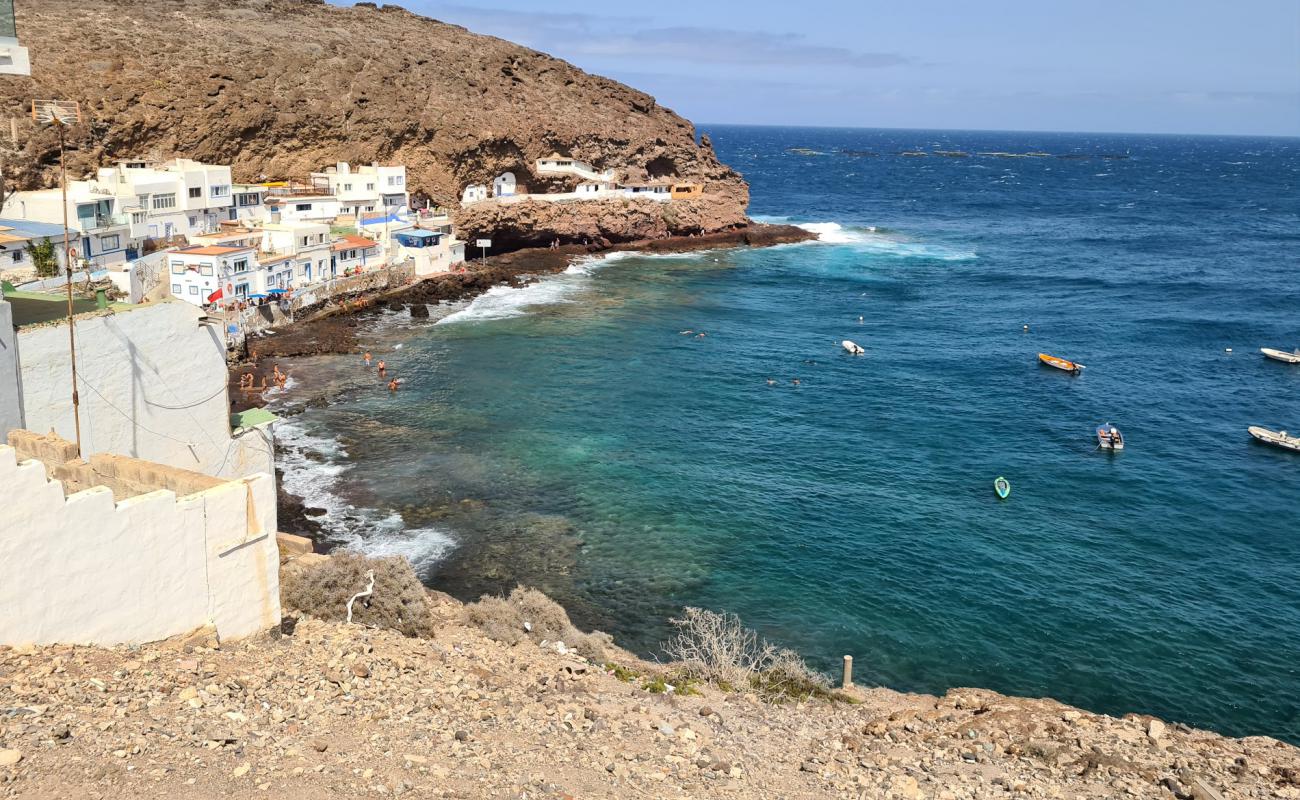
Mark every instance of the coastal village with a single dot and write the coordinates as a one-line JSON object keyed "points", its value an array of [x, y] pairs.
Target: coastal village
{"points": [[163, 637]]}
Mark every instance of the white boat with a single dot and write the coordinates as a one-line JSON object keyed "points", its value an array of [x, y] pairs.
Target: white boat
{"points": [[1281, 355], [1275, 438], [1109, 437], [852, 348]]}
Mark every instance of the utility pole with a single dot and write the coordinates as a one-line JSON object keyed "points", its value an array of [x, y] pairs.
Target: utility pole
{"points": [[61, 113]]}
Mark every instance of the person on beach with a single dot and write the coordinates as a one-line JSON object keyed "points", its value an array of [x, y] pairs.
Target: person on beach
{"points": [[367, 358]]}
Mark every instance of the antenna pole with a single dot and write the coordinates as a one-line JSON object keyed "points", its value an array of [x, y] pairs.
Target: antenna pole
{"points": [[67, 255]]}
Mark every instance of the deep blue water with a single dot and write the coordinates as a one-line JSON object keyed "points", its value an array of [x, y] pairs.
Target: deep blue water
{"points": [[568, 436]]}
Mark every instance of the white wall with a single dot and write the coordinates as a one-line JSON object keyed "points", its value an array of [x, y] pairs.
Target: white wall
{"points": [[152, 386], [10, 397], [84, 570]]}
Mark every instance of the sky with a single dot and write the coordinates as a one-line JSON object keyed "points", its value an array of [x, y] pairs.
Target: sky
{"points": [[1143, 66]]}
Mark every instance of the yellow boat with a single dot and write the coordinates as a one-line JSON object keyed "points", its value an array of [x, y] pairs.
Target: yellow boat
{"points": [[1061, 363]]}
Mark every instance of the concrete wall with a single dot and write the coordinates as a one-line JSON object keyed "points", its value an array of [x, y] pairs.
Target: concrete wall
{"points": [[84, 569], [152, 382], [11, 415]]}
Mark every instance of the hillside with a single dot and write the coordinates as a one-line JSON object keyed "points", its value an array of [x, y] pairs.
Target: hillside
{"points": [[335, 710], [278, 88]]}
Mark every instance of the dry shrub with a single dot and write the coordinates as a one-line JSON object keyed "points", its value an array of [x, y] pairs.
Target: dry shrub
{"points": [[398, 601], [718, 649], [529, 614]]}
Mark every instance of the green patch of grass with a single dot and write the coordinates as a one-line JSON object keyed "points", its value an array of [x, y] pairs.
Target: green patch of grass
{"points": [[778, 685], [622, 673]]}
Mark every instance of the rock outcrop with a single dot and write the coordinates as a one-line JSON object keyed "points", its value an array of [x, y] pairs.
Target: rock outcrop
{"points": [[279, 88]]}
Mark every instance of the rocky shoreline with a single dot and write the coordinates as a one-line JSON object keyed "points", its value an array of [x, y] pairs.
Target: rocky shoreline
{"points": [[332, 327]]}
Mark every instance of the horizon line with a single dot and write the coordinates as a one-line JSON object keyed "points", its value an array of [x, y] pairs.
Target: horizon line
{"points": [[995, 130]]}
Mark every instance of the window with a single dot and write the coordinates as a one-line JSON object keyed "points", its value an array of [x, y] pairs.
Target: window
{"points": [[396, 180], [246, 200], [240, 265], [196, 191], [137, 217], [178, 267], [205, 270], [194, 221], [164, 201], [370, 187], [347, 187], [194, 290], [107, 243], [220, 191], [304, 241], [176, 288], [302, 207]]}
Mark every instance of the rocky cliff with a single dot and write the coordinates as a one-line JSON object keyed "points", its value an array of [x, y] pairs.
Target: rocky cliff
{"points": [[278, 88]]}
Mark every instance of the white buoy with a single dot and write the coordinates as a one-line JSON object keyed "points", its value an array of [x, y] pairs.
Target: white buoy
{"points": [[1227, 349], [1026, 328]]}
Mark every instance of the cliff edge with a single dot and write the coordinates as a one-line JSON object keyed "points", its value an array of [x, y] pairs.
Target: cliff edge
{"points": [[279, 88]]}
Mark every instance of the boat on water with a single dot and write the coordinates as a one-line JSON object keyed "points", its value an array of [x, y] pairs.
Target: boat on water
{"points": [[1276, 438], [1281, 355], [852, 348], [1002, 486], [1109, 437], [1061, 363]]}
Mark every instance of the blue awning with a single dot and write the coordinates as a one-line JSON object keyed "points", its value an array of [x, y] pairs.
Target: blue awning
{"points": [[275, 291], [258, 296]]}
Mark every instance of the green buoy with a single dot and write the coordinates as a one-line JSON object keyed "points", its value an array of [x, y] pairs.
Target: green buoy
{"points": [[1002, 486]]}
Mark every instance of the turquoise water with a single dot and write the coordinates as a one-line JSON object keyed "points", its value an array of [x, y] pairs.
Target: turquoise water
{"points": [[569, 436]]}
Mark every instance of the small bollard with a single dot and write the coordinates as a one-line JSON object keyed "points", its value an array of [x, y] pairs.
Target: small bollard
{"points": [[848, 673]]}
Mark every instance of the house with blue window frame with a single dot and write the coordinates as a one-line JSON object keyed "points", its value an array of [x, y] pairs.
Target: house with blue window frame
{"points": [[15, 236]]}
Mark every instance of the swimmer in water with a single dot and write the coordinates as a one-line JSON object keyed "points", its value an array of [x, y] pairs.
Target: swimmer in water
{"points": [[700, 335], [686, 333], [392, 385], [382, 367], [795, 381], [367, 358], [771, 382]]}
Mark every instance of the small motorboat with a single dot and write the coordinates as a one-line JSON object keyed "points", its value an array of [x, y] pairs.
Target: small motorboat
{"points": [[1276, 438], [1061, 363], [1109, 437], [852, 348], [1002, 486], [1281, 355]]}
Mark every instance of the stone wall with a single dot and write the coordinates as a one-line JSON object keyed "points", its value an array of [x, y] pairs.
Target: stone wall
{"points": [[86, 567]]}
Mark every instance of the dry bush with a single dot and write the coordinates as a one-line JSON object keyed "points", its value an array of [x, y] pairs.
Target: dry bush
{"points": [[398, 601], [717, 648], [529, 614]]}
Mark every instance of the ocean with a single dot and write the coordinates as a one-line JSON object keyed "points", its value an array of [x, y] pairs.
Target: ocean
{"points": [[580, 436]]}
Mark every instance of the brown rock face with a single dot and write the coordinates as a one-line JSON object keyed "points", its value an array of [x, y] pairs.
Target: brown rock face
{"points": [[278, 88]]}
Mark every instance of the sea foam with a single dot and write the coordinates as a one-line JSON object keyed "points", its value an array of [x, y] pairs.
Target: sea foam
{"points": [[872, 240], [313, 467]]}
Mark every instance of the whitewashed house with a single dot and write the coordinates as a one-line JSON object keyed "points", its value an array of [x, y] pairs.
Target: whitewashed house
{"points": [[504, 185], [556, 164], [302, 205], [249, 203], [647, 191], [213, 274], [594, 190], [299, 253], [364, 188], [353, 254], [474, 193], [113, 214], [16, 235]]}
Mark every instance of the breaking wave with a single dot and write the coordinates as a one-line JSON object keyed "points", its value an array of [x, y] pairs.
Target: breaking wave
{"points": [[313, 467], [874, 240]]}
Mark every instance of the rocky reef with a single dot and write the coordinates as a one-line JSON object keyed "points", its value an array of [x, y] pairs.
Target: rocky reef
{"points": [[279, 88]]}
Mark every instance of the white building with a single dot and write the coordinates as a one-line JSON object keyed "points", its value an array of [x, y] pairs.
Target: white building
{"points": [[299, 253], [433, 251], [648, 191], [594, 190], [197, 274], [151, 379], [504, 185], [13, 56], [556, 164], [16, 235], [353, 254], [367, 187], [249, 203], [474, 193], [113, 214], [297, 205]]}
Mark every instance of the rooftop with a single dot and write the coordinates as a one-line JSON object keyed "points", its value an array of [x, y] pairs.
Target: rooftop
{"points": [[349, 242], [33, 308], [29, 229], [212, 250]]}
